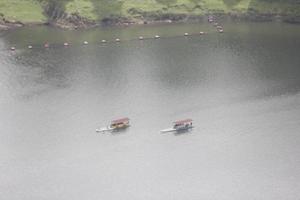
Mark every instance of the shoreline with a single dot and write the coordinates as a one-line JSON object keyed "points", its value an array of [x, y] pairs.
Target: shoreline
{"points": [[74, 21]]}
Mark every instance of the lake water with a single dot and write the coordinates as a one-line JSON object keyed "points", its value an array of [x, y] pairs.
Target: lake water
{"points": [[241, 88]]}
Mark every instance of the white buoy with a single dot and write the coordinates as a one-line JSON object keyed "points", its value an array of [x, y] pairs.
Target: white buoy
{"points": [[46, 45], [66, 44], [186, 34], [103, 41], [117, 40], [85, 42], [29, 47], [157, 36], [141, 38], [201, 33], [221, 30], [12, 48]]}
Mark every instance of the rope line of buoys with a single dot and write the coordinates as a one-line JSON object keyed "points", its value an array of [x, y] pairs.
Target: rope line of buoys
{"points": [[211, 20], [219, 28], [48, 45]]}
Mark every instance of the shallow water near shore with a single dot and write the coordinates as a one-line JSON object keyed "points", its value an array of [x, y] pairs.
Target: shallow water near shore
{"points": [[241, 88]]}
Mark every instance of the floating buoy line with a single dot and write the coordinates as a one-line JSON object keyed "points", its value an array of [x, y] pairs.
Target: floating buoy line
{"points": [[46, 45]]}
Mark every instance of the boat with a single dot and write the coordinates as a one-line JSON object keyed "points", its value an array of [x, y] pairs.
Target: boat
{"points": [[180, 125], [117, 124]]}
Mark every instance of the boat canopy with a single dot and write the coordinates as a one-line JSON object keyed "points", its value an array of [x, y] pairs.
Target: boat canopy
{"points": [[185, 121], [119, 121]]}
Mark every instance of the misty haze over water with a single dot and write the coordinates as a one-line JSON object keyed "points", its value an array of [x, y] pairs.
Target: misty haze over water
{"points": [[241, 88]]}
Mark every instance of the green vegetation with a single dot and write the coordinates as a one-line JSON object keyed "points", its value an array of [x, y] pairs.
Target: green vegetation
{"points": [[22, 10], [83, 8], [97, 10]]}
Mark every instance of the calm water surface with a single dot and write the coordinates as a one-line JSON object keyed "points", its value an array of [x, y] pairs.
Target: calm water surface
{"points": [[241, 88]]}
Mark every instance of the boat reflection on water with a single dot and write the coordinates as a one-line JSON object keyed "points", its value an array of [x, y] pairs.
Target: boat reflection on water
{"points": [[182, 132]]}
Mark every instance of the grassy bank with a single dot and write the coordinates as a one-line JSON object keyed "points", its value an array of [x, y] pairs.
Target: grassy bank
{"points": [[25, 11], [96, 10]]}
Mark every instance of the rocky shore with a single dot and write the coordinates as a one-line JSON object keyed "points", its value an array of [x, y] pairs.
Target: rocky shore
{"points": [[6, 24], [75, 21]]}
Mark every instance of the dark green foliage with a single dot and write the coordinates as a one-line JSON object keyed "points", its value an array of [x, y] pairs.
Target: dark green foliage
{"points": [[54, 9], [282, 1]]}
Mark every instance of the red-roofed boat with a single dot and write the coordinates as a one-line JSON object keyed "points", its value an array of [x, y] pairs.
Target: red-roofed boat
{"points": [[117, 124], [120, 123], [180, 125]]}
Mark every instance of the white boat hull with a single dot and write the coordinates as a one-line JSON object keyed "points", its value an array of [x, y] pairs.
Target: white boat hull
{"points": [[168, 130], [109, 129], [175, 130], [104, 129]]}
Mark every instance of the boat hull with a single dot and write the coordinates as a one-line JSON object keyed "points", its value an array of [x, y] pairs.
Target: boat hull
{"points": [[111, 129], [176, 130], [104, 129]]}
